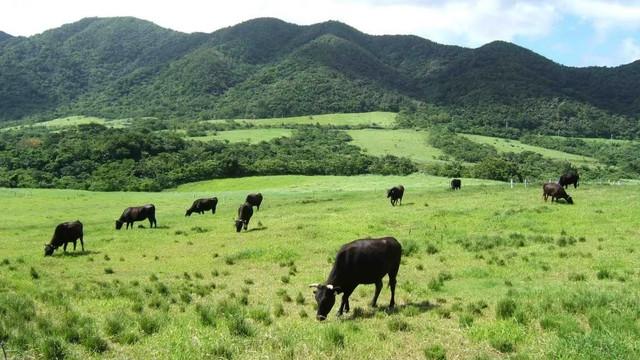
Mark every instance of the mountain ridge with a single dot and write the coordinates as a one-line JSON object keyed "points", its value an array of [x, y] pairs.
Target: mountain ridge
{"points": [[124, 67]]}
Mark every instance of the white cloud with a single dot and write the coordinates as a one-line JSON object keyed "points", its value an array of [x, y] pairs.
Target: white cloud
{"points": [[461, 21], [630, 50]]}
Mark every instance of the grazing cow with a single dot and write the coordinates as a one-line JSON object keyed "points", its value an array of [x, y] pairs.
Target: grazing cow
{"points": [[456, 184], [569, 178], [245, 212], [254, 199], [395, 193], [555, 191], [138, 213], [65, 233], [364, 261], [201, 205]]}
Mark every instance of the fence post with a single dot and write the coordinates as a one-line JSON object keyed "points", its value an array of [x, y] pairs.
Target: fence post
{"points": [[512, 183]]}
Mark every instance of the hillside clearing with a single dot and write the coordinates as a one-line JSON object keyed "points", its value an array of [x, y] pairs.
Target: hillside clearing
{"points": [[509, 145], [412, 144], [379, 119]]}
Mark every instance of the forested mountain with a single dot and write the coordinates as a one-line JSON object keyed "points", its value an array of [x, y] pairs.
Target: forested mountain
{"points": [[126, 67]]}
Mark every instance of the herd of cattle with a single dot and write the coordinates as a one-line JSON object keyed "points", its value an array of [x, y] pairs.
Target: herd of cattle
{"points": [[363, 261]]}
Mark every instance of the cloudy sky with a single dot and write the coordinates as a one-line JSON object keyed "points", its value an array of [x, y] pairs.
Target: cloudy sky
{"points": [[571, 32]]}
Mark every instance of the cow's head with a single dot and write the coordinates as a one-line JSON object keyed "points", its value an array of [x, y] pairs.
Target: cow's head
{"points": [[188, 213], [119, 224], [389, 192], [239, 224], [48, 249], [325, 297], [213, 206], [569, 200]]}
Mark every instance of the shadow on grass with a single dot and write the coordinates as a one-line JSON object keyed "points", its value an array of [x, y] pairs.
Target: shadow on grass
{"points": [[370, 312], [77, 253], [257, 229]]}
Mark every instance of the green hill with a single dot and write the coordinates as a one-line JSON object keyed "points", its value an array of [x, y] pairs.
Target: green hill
{"points": [[126, 67]]}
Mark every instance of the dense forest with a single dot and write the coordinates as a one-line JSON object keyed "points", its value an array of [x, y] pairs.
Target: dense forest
{"points": [[126, 67], [94, 157]]}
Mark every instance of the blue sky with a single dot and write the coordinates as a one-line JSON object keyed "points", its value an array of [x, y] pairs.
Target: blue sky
{"points": [[570, 32]]}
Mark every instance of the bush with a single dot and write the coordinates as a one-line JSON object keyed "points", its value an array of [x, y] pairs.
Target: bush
{"points": [[505, 308], [435, 352], [53, 348]]}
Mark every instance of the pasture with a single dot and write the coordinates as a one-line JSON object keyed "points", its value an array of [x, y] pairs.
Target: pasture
{"points": [[373, 119], [488, 272], [509, 145], [252, 136], [75, 121], [412, 144]]}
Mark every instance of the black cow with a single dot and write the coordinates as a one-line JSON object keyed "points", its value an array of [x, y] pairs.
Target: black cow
{"points": [[201, 205], [364, 261], [569, 178], [138, 213], [555, 191], [395, 193], [254, 199], [65, 233], [456, 184], [245, 212]]}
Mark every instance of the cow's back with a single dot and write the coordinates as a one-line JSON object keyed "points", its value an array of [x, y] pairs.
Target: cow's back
{"points": [[366, 261]]}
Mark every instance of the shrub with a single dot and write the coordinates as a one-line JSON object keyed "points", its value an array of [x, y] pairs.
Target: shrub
{"points": [[108, 270], [149, 324], [53, 348], [410, 247], [238, 326], [334, 337], [34, 274], [432, 249], [505, 308], [435, 352], [207, 314], [398, 324]]}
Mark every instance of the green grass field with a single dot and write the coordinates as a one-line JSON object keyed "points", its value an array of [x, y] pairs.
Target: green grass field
{"points": [[508, 145], [246, 135], [381, 119], [408, 143], [77, 120], [488, 272]]}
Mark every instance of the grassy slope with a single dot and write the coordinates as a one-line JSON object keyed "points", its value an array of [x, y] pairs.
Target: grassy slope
{"points": [[383, 119], [409, 143], [78, 120], [508, 145], [305, 220], [247, 135]]}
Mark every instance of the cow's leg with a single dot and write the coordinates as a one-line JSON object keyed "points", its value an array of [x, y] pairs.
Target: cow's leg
{"points": [[400, 201], [74, 245], [392, 285], [246, 225], [375, 296], [64, 247], [344, 305], [82, 243]]}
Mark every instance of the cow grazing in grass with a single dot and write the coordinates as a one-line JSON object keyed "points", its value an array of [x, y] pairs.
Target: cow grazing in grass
{"points": [[254, 199], [456, 184], [569, 178], [555, 191], [65, 233], [364, 261], [201, 205], [396, 193], [137, 213], [245, 212]]}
